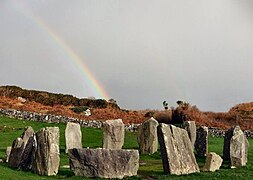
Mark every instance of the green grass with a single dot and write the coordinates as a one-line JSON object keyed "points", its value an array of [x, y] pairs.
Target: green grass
{"points": [[150, 165]]}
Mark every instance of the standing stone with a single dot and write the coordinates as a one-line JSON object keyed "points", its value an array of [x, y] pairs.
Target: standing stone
{"points": [[190, 127], [104, 163], [213, 162], [201, 143], [73, 136], [113, 134], [8, 152], [47, 157], [19, 147], [28, 155], [176, 149], [236, 145], [147, 136], [226, 144]]}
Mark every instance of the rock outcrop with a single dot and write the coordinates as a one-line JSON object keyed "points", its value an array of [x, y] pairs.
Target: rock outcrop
{"points": [[147, 136], [176, 149], [104, 163]]}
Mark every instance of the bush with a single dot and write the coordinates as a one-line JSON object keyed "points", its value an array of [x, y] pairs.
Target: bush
{"points": [[79, 109]]}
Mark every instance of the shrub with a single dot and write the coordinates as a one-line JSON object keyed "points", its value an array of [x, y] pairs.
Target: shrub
{"points": [[79, 109]]}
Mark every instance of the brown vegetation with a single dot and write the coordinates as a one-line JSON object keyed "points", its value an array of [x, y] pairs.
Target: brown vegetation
{"points": [[241, 114]]}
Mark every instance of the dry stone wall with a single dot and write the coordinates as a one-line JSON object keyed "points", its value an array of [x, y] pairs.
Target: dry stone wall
{"points": [[31, 116]]}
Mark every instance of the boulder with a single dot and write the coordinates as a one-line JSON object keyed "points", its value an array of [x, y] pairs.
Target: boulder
{"points": [[176, 149], [236, 145], [19, 150], [213, 162], [47, 154], [73, 136], [147, 136], [190, 127], [113, 134], [201, 143], [104, 163]]}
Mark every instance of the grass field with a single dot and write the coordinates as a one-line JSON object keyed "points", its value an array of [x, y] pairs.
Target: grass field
{"points": [[150, 165]]}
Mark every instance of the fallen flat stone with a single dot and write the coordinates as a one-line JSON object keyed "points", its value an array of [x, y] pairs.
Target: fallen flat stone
{"points": [[147, 136], [190, 127], [104, 163], [176, 149], [113, 134], [47, 155], [201, 143], [236, 147], [73, 136], [213, 162]]}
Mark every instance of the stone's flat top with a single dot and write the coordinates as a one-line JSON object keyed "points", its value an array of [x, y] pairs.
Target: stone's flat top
{"points": [[114, 121]]}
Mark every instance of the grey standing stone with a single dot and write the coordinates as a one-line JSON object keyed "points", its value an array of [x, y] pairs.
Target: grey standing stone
{"points": [[73, 136], [47, 155], [19, 150], [213, 162], [190, 127], [28, 155], [16, 152], [8, 152], [201, 143], [104, 163], [236, 146], [176, 149], [147, 136], [113, 134], [226, 145]]}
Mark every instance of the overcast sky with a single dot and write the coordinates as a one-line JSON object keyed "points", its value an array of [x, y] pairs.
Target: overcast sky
{"points": [[142, 51]]}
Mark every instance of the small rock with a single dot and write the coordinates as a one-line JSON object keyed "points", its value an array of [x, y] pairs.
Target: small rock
{"points": [[213, 162]]}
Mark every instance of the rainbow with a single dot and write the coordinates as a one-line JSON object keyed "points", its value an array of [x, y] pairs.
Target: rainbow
{"points": [[95, 86]]}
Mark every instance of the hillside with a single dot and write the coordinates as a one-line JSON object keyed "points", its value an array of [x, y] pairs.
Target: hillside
{"points": [[12, 97]]}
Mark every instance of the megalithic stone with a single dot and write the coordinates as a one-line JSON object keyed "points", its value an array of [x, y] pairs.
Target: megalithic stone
{"points": [[21, 150], [47, 155], [147, 136], [113, 134], [190, 127], [201, 143], [236, 147], [73, 136], [176, 149], [104, 163]]}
